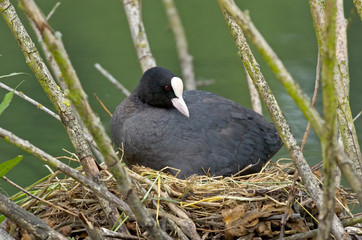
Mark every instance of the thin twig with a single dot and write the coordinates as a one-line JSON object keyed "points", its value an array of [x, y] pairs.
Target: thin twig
{"points": [[254, 95], [71, 172], [45, 109], [39, 199], [112, 79], [314, 99], [173, 223], [103, 106], [53, 11], [29, 204], [313, 233], [291, 196], [185, 223], [357, 116], [114, 235], [32, 101], [93, 233], [206, 82]]}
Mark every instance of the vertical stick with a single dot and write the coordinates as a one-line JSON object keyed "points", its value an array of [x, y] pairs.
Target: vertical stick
{"points": [[181, 44], [138, 33], [254, 95], [344, 113], [329, 139], [312, 115]]}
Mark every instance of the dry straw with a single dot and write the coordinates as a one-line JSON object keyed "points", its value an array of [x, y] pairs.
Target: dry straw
{"points": [[220, 207]]}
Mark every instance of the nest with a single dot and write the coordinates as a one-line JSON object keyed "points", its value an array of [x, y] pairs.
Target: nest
{"points": [[245, 207]]}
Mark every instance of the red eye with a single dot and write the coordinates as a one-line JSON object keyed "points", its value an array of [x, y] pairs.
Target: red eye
{"points": [[167, 88]]}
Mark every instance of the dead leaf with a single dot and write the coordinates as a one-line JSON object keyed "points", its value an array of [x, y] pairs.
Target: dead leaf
{"points": [[66, 230]]}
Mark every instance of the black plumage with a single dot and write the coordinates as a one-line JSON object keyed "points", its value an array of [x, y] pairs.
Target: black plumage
{"points": [[220, 136]]}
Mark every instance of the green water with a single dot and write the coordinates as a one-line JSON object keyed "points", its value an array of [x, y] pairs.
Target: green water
{"points": [[97, 32]]}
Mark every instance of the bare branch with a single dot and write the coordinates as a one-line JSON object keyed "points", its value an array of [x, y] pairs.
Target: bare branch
{"points": [[357, 116], [314, 99], [52, 11], [79, 98], [291, 195], [4, 234], [313, 233], [181, 44], [138, 33], [276, 65], [112, 79], [63, 105], [45, 109], [28, 221], [254, 95], [78, 176], [349, 172], [205, 82], [76, 93], [32, 101], [344, 113], [37, 65], [269, 100], [93, 232], [60, 80], [329, 139], [252, 67], [342, 81]]}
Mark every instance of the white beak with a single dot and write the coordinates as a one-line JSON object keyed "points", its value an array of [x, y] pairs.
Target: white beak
{"points": [[180, 105], [178, 102]]}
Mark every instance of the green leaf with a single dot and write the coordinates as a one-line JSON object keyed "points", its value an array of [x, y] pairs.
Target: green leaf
{"points": [[2, 218], [6, 101], [14, 74], [5, 167]]}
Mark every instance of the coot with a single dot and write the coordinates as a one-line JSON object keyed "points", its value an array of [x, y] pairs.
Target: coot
{"points": [[197, 132]]}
